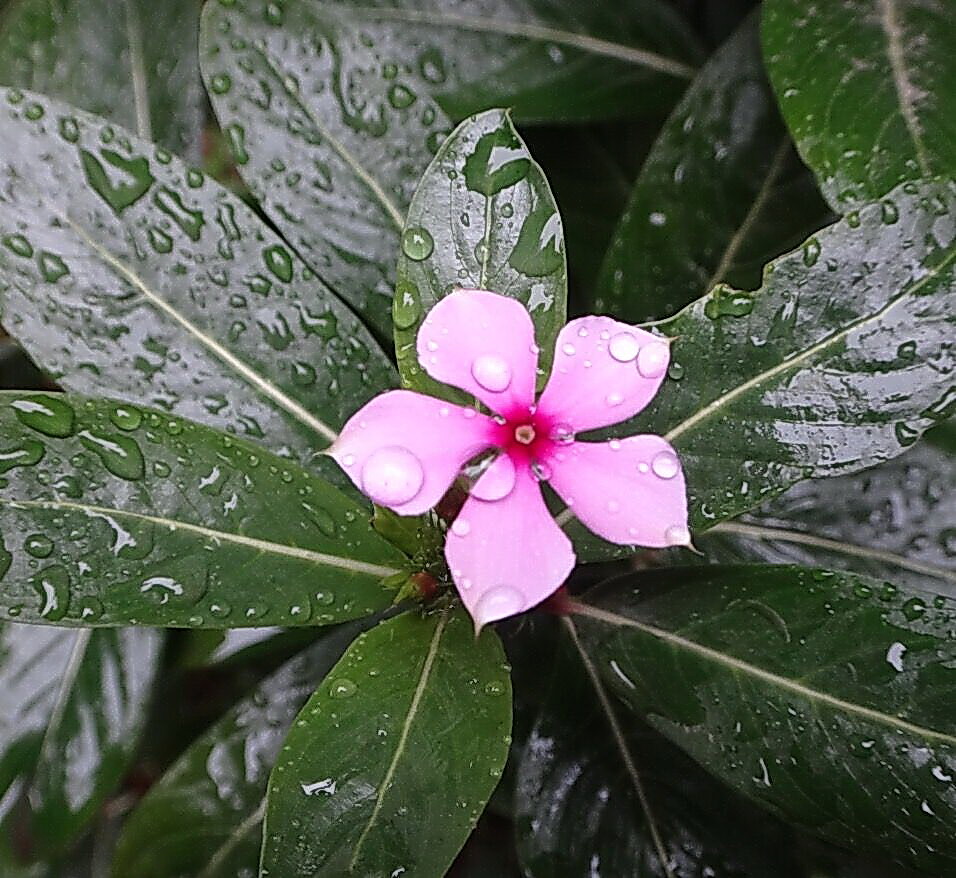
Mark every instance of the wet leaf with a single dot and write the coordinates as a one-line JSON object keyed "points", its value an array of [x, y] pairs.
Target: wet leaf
{"points": [[868, 89], [825, 697], [72, 707], [841, 360], [123, 272], [719, 196], [133, 62], [114, 515], [578, 808], [896, 521], [395, 756], [483, 217], [204, 816]]}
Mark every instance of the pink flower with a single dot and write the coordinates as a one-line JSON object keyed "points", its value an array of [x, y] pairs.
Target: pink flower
{"points": [[505, 551]]}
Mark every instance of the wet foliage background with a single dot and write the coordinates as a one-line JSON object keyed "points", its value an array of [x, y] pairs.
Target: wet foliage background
{"points": [[220, 228]]}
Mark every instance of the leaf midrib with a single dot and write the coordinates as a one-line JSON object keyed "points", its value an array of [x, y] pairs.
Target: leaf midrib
{"points": [[413, 708], [571, 39], [796, 359], [265, 546], [734, 664]]}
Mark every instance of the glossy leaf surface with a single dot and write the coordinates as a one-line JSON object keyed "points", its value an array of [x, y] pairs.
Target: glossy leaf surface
{"points": [[578, 810], [204, 816], [394, 758], [72, 707], [483, 218], [838, 362], [123, 272], [719, 196], [331, 137], [868, 88], [826, 697], [133, 62], [896, 521], [112, 515]]}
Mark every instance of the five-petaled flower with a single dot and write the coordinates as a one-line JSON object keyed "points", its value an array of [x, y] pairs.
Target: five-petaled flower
{"points": [[505, 551]]}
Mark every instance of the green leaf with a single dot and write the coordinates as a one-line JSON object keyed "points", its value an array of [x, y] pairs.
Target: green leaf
{"points": [[133, 62], [868, 89], [203, 819], [72, 707], [393, 759], [112, 515], [123, 272], [332, 151], [838, 362], [896, 521], [826, 697], [720, 194], [483, 217], [593, 791]]}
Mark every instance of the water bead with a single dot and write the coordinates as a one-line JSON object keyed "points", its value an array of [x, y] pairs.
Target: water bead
{"points": [[677, 535], [392, 476], [498, 602], [665, 465], [497, 482], [461, 528], [491, 372], [624, 347], [652, 359]]}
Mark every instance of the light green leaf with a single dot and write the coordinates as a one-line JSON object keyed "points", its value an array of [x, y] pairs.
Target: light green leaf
{"points": [[203, 819], [483, 217], [113, 515], [868, 89], [394, 758], [72, 707], [826, 697], [124, 272], [132, 61], [720, 194]]}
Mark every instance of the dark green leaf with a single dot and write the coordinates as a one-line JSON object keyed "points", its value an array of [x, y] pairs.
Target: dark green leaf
{"points": [[826, 697], [72, 707], [582, 775], [868, 88], [112, 515], [720, 194], [124, 272], [204, 817], [838, 362], [394, 758], [133, 62], [896, 521], [483, 217], [330, 146]]}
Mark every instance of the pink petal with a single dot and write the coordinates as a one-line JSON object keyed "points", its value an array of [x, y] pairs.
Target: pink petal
{"points": [[507, 555], [604, 372], [629, 491], [404, 449], [482, 343]]}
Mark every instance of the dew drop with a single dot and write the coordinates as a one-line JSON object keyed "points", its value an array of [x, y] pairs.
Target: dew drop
{"points": [[568, 349], [496, 482], [665, 465], [614, 399], [652, 359], [491, 372], [126, 417], [562, 434], [343, 688], [461, 528], [52, 584], [119, 454], [624, 347], [46, 414], [417, 243], [392, 475], [541, 471], [677, 535], [38, 545], [497, 603]]}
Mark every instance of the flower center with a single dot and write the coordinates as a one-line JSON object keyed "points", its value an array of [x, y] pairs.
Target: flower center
{"points": [[524, 434]]}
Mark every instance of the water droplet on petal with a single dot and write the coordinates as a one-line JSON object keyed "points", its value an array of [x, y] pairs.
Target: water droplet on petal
{"points": [[613, 399], [392, 476], [491, 372], [496, 482], [541, 471], [677, 535], [568, 349], [665, 465], [624, 347], [652, 359], [497, 603], [461, 528], [562, 433]]}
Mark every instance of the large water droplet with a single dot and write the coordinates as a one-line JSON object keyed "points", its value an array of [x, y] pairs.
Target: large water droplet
{"points": [[417, 243], [665, 465], [497, 603], [126, 417], [52, 584], [652, 359], [624, 347], [677, 535], [496, 482], [46, 414], [562, 433], [343, 688], [28, 453], [120, 454], [541, 471], [461, 528], [491, 372], [38, 545], [392, 475]]}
